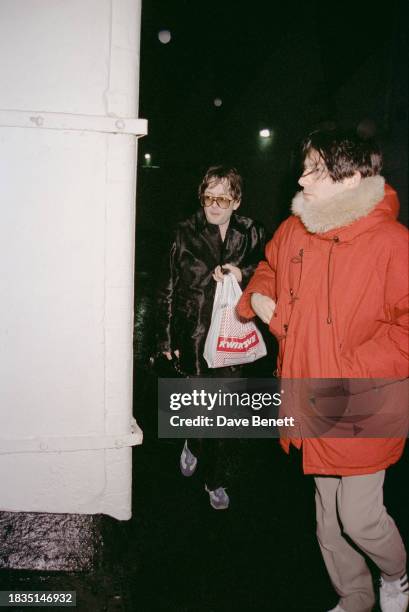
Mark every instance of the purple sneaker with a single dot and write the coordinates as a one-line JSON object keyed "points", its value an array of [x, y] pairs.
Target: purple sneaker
{"points": [[188, 461], [219, 500]]}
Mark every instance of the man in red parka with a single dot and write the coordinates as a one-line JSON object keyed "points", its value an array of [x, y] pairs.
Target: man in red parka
{"points": [[334, 292]]}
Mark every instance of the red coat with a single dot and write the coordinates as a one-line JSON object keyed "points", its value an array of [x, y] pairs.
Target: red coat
{"points": [[342, 310]]}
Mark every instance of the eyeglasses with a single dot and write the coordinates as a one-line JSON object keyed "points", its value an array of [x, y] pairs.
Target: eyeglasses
{"points": [[221, 201]]}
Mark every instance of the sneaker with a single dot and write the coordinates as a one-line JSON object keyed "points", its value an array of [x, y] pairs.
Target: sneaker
{"points": [[337, 609], [219, 500], [394, 595], [188, 461]]}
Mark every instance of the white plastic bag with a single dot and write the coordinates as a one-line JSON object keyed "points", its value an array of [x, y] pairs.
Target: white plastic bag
{"points": [[230, 339]]}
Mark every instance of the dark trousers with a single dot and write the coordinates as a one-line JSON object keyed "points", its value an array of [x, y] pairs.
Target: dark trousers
{"points": [[212, 454]]}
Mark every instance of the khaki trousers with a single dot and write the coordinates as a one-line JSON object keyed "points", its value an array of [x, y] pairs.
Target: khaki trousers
{"points": [[351, 515]]}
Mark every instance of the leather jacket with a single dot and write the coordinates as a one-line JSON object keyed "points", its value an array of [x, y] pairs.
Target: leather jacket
{"points": [[187, 288]]}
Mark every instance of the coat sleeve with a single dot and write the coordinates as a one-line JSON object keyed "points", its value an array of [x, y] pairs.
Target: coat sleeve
{"points": [[255, 253], [263, 281], [386, 353], [165, 299]]}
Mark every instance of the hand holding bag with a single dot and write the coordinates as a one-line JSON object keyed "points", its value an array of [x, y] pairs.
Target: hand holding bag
{"points": [[231, 340]]}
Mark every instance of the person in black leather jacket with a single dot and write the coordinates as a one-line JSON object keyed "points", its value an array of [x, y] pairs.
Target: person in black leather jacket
{"points": [[212, 241]]}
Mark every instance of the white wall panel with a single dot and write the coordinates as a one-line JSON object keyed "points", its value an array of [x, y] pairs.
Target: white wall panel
{"points": [[67, 200], [54, 55]]}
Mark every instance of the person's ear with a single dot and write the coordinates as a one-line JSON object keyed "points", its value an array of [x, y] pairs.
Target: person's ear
{"points": [[236, 204]]}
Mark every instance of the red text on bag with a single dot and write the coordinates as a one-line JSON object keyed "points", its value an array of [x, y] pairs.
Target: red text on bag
{"points": [[237, 345]]}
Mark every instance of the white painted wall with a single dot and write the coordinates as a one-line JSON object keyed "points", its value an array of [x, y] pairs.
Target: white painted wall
{"points": [[69, 75]]}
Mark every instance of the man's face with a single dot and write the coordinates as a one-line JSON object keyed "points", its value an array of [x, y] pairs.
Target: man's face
{"points": [[214, 213], [316, 182]]}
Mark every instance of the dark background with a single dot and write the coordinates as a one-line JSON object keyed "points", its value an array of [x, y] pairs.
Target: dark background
{"points": [[288, 66]]}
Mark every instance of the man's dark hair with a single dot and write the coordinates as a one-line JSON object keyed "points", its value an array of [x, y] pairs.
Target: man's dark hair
{"points": [[343, 153], [218, 173]]}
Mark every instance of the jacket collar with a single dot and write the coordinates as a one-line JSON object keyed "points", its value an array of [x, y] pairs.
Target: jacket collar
{"points": [[341, 210]]}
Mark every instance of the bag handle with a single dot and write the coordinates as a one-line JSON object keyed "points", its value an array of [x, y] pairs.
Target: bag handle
{"points": [[231, 289]]}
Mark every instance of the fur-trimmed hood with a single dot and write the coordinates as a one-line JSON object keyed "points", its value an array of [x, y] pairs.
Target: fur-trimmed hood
{"points": [[342, 209]]}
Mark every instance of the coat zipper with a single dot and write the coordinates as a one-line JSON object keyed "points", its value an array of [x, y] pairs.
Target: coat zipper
{"points": [[335, 241]]}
